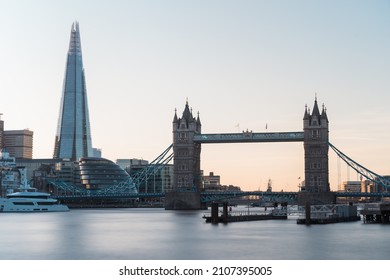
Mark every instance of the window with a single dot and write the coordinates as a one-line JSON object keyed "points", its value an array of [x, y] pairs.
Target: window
{"points": [[183, 136], [315, 151], [319, 181], [45, 203], [183, 181], [315, 180], [22, 203], [315, 165], [183, 152]]}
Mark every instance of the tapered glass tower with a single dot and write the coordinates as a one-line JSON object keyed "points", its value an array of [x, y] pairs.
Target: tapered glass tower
{"points": [[73, 138]]}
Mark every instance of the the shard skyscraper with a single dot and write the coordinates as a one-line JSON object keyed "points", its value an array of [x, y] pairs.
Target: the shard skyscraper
{"points": [[73, 138]]}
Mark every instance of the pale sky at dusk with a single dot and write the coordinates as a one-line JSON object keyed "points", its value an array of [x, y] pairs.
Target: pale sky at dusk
{"points": [[241, 64]]}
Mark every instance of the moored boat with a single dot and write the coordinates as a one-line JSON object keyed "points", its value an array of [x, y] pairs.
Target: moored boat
{"points": [[30, 200]]}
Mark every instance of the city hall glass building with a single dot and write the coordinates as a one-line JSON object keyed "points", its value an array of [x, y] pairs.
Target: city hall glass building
{"points": [[73, 138]]}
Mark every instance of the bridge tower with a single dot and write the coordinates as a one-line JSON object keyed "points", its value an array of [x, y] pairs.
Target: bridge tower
{"points": [[316, 139], [187, 179]]}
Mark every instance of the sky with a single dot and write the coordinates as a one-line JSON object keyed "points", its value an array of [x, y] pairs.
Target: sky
{"points": [[241, 64]]}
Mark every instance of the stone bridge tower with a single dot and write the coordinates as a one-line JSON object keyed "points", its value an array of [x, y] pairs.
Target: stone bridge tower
{"points": [[187, 177], [316, 139]]}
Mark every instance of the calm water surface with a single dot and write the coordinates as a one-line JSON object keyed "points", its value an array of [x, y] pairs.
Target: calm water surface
{"points": [[147, 234]]}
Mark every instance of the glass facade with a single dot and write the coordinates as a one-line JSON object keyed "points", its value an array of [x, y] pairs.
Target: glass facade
{"points": [[73, 138], [160, 181], [100, 173]]}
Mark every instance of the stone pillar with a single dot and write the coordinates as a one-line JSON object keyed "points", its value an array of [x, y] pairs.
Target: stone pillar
{"points": [[316, 139], [187, 178], [177, 200]]}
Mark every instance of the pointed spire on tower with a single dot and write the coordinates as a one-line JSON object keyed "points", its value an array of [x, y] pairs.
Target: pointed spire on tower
{"points": [[324, 116], [306, 114], [187, 115], [198, 120], [175, 120], [316, 111]]}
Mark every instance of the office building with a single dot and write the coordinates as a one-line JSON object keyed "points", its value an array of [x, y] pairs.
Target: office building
{"points": [[161, 180], [97, 153], [19, 143], [73, 138], [101, 173], [351, 186], [212, 180]]}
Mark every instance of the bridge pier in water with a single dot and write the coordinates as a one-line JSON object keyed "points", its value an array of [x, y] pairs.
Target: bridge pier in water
{"points": [[316, 198], [229, 216], [177, 200]]}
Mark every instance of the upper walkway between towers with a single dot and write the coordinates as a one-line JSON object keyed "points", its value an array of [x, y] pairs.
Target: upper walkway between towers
{"points": [[249, 136]]}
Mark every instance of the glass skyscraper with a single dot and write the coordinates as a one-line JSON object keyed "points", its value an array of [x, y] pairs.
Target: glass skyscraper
{"points": [[73, 138]]}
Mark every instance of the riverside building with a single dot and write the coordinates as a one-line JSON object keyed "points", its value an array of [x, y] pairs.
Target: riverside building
{"points": [[73, 138], [19, 143]]}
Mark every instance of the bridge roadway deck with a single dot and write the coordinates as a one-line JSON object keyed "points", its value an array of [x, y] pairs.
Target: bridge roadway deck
{"points": [[249, 136], [220, 195]]}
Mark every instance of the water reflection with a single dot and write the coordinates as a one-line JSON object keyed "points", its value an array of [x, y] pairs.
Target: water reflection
{"points": [[158, 234]]}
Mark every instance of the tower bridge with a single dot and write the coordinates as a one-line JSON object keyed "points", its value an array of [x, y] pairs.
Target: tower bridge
{"points": [[188, 138]]}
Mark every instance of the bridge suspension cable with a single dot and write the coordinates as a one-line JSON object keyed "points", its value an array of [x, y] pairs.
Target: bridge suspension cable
{"points": [[158, 163], [131, 185], [370, 175]]}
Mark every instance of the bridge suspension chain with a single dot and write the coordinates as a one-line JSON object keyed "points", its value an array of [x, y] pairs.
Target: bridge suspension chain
{"points": [[158, 163], [131, 185], [370, 175]]}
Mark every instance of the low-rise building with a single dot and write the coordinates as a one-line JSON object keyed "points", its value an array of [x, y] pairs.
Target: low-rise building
{"points": [[351, 186], [12, 177]]}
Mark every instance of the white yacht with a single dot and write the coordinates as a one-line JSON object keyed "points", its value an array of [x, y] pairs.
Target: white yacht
{"points": [[29, 200]]}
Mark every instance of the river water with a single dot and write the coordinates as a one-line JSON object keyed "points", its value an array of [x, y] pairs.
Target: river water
{"points": [[149, 234]]}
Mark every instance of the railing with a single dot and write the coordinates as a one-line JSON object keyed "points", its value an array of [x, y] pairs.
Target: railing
{"points": [[216, 196], [112, 195], [362, 194]]}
